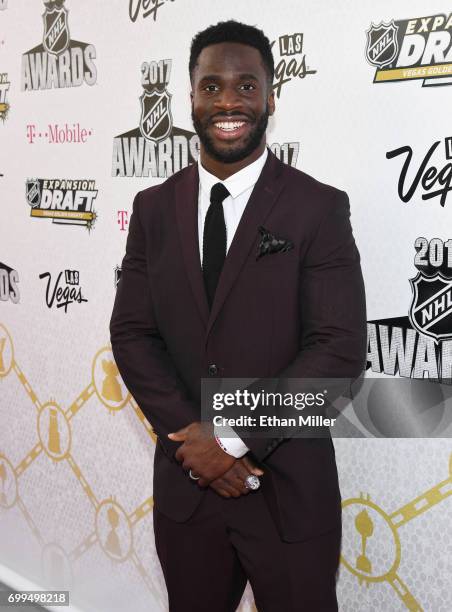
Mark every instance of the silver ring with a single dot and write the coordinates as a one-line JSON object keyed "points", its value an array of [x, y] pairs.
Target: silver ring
{"points": [[192, 476], [252, 482]]}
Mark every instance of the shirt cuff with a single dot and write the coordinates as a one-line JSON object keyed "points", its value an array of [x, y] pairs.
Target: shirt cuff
{"points": [[231, 445]]}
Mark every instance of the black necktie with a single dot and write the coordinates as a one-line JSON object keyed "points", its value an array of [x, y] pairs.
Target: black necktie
{"points": [[214, 240]]}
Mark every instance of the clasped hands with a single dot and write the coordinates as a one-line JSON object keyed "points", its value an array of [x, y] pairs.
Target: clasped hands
{"points": [[201, 453]]}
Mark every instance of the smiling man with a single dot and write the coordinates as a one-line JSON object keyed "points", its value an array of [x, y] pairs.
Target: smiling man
{"points": [[202, 295]]}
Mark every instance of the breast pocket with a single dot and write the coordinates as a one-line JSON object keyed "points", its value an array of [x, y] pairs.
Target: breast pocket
{"points": [[272, 268]]}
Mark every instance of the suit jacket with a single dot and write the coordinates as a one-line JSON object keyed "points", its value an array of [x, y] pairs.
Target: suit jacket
{"points": [[295, 314]]}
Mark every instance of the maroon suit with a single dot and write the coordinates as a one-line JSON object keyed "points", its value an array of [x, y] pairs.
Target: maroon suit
{"points": [[295, 314]]}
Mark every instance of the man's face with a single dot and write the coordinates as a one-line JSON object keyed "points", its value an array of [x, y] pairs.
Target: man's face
{"points": [[231, 100]]}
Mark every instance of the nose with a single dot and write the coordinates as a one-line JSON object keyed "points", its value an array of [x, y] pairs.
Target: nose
{"points": [[228, 99]]}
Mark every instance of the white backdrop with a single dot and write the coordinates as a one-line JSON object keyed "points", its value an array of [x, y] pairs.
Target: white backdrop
{"points": [[75, 453]]}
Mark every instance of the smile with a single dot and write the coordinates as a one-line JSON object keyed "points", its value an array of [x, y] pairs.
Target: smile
{"points": [[230, 130], [229, 126]]}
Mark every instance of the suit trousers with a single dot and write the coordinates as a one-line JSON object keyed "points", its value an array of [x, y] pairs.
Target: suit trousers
{"points": [[208, 559]]}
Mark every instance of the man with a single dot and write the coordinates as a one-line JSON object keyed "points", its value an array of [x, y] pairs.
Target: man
{"points": [[196, 300]]}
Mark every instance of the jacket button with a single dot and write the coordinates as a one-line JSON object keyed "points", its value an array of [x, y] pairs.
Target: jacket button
{"points": [[213, 370]]}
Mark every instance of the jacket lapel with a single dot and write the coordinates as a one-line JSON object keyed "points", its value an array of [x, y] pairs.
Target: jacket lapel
{"points": [[186, 192], [262, 199]]}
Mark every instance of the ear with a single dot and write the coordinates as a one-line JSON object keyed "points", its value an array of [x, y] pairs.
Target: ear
{"points": [[271, 101], [191, 97]]}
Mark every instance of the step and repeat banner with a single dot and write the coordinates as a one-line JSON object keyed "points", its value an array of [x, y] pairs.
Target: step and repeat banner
{"points": [[363, 98]]}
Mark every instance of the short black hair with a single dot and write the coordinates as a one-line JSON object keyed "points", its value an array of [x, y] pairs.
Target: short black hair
{"points": [[233, 31]]}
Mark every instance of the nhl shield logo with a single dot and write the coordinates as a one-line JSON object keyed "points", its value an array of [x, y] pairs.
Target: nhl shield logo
{"points": [[33, 193], [156, 119], [382, 45], [431, 306], [56, 30]]}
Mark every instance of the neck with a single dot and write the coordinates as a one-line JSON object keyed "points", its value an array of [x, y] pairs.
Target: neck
{"points": [[224, 171]]}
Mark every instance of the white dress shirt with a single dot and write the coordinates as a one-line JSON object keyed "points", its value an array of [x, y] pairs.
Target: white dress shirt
{"points": [[240, 185]]}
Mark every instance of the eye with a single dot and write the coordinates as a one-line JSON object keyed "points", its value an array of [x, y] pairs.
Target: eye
{"points": [[211, 88], [248, 86]]}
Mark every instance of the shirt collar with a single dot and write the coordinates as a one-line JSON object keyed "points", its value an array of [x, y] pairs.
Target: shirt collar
{"points": [[238, 182]]}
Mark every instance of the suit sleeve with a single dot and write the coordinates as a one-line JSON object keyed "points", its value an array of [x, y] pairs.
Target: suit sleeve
{"points": [[139, 349], [332, 309]]}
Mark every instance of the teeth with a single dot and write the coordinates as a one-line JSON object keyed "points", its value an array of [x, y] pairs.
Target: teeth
{"points": [[228, 126]]}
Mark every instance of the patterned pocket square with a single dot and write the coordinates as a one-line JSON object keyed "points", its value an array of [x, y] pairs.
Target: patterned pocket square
{"points": [[271, 244]]}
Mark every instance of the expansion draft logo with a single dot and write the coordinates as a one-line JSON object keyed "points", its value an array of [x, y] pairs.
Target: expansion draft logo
{"points": [[292, 63], [65, 201], [58, 61], [4, 88], [420, 345], [156, 147], [9, 291], [417, 48]]}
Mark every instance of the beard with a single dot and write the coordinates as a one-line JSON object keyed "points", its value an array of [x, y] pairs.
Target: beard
{"points": [[232, 153]]}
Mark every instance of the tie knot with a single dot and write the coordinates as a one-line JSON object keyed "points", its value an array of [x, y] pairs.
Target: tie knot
{"points": [[218, 193]]}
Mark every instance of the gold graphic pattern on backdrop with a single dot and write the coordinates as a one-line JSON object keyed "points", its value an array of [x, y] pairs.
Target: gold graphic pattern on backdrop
{"points": [[371, 521], [54, 432]]}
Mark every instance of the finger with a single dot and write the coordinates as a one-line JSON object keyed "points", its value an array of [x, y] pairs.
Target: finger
{"points": [[226, 483], [253, 469], [178, 436], [240, 471], [186, 465], [233, 484], [219, 490], [238, 475], [203, 483], [233, 492]]}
